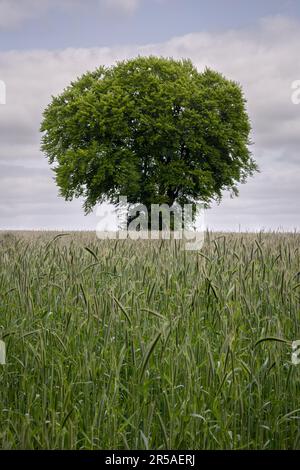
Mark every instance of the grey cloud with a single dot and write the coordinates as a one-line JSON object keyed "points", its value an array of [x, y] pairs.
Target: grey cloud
{"points": [[124, 5], [14, 12]]}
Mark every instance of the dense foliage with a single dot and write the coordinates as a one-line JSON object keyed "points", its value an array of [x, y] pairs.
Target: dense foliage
{"points": [[152, 129]]}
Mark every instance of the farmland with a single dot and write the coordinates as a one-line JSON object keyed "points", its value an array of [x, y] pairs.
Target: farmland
{"points": [[143, 345]]}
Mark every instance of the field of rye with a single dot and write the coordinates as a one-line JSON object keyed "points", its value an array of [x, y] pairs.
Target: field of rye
{"points": [[142, 345]]}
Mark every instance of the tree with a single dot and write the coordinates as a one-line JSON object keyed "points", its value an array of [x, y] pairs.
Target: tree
{"points": [[152, 129]]}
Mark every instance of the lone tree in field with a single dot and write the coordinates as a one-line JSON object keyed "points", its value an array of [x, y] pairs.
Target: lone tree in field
{"points": [[152, 129]]}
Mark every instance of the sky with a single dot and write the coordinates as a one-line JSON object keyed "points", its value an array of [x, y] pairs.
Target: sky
{"points": [[45, 44]]}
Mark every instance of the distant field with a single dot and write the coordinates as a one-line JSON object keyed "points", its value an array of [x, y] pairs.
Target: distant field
{"points": [[134, 345]]}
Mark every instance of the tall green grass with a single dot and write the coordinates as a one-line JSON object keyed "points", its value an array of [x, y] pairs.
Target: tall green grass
{"points": [[142, 345]]}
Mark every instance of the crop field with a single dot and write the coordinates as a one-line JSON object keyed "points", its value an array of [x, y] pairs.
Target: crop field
{"points": [[143, 345]]}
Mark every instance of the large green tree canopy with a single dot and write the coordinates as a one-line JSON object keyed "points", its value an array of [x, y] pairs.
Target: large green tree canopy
{"points": [[153, 129]]}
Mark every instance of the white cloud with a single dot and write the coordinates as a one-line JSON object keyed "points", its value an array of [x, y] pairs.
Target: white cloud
{"points": [[264, 60]]}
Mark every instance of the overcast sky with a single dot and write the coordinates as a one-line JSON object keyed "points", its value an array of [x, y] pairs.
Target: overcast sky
{"points": [[44, 44]]}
